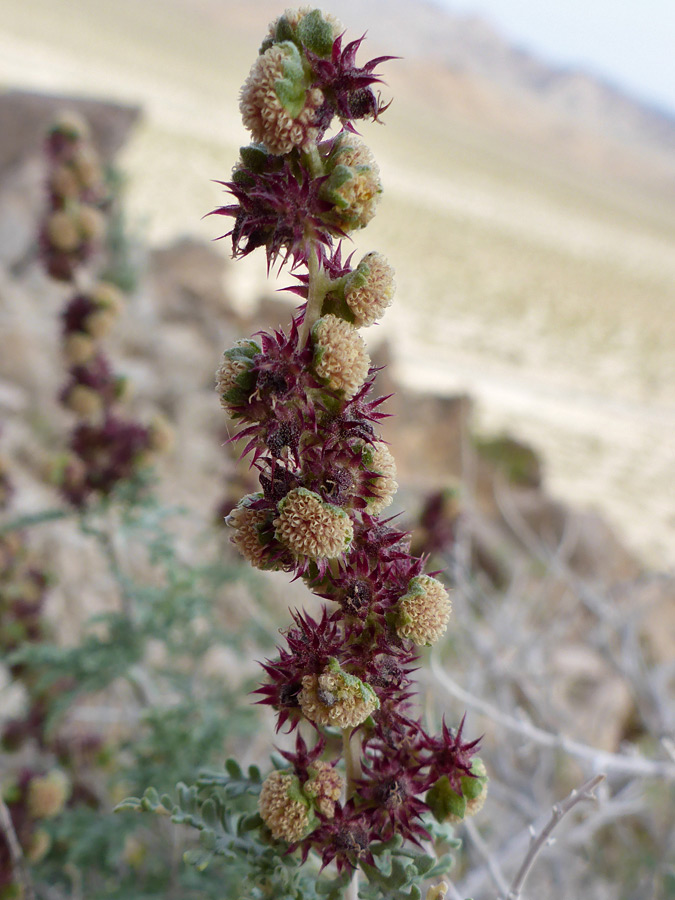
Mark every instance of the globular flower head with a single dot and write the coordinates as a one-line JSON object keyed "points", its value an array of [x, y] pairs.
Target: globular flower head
{"points": [[311, 528], [86, 402], [284, 808], [69, 237], [47, 795], [346, 87], [450, 805], [337, 698], [369, 289], [278, 104], [233, 380], [249, 524], [352, 186], [62, 231], [78, 348], [378, 459], [340, 355], [323, 787], [423, 611]]}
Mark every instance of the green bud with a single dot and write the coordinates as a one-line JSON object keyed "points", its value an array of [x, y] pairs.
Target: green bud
{"points": [[316, 33]]}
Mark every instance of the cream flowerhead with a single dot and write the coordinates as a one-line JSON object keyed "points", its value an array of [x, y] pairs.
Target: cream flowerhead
{"points": [[47, 795], [423, 611], [277, 104], [310, 527], [247, 523], [337, 698], [369, 289], [378, 458], [231, 376], [284, 809], [323, 787], [340, 355], [353, 184]]}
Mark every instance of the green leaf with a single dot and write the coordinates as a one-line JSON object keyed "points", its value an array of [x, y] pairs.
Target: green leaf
{"points": [[233, 768], [208, 813], [444, 801]]}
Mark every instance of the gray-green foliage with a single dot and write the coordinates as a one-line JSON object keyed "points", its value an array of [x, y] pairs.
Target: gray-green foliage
{"points": [[222, 808], [184, 721]]}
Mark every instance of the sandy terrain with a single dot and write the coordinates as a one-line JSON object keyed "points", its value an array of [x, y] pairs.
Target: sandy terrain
{"points": [[548, 295]]}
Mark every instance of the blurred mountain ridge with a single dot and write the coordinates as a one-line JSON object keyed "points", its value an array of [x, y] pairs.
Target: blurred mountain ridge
{"points": [[469, 47]]}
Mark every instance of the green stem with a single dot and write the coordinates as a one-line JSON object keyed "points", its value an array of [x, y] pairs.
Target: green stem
{"points": [[27, 521], [313, 160], [319, 283], [352, 772]]}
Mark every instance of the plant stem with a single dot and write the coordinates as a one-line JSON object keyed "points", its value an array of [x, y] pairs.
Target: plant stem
{"points": [[352, 771], [27, 521], [15, 852], [585, 792], [316, 292]]}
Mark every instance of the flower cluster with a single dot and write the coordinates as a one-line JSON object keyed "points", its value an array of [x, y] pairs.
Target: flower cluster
{"points": [[31, 798], [307, 417], [23, 584], [105, 446], [74, 224]]}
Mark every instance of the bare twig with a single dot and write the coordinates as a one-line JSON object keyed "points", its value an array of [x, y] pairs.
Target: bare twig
{"points": [[493, 866], [599, 759], [585, 792], [15, 852]]}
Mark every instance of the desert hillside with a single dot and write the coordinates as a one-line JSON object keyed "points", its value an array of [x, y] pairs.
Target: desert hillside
{"points": [[530, 215]]}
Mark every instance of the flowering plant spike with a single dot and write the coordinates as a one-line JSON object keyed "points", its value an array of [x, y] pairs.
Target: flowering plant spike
{"points": [[308, 417]]}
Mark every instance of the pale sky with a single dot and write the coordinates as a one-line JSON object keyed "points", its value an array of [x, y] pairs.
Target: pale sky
{"points": [[630, 42]]}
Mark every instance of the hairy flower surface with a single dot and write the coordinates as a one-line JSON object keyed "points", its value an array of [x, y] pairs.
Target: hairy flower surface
{"points": [[283, 808], [340, 355], [324, 787], [278, 106], [424, 611], [353, 185], [310, 527], [231, 375], [337, 698], [292, 18], [378, 458], [369, 289], [247, 523]]}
